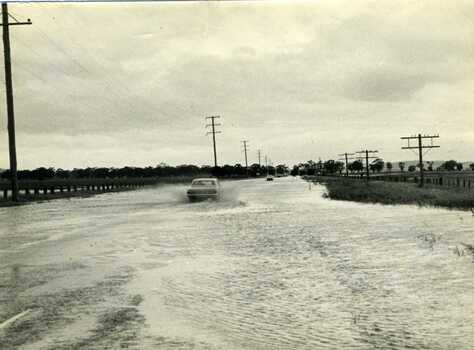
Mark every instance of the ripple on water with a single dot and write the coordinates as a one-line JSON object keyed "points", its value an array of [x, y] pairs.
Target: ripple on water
{"points": [[276, 266]]}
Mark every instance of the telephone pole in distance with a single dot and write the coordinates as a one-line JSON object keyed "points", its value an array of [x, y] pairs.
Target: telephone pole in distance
{"points": [[213, 132], [420, 148], [367, 152], [244, 143], [346, 159]]}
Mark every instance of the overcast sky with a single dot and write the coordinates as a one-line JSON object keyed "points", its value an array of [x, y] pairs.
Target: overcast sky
{"points": [[119, 84]]}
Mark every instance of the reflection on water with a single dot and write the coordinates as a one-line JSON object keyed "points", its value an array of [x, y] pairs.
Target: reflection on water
{"points": [[271, 266]]}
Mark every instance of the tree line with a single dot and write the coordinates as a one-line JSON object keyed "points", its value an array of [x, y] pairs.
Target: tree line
{"points": [[334, 167], [337, 167], [161, 170], [226, 171]]}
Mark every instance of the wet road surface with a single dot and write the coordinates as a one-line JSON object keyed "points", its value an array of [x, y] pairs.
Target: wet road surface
{"points": [[271, 266]]}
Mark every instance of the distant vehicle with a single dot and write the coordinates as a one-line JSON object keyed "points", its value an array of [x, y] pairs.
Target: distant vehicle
{"points": [[204, 188], [269, 177]]}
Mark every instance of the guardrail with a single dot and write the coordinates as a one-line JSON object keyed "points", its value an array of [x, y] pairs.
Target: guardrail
{"points": [[460, 179], [30, 188], [435, 178]]}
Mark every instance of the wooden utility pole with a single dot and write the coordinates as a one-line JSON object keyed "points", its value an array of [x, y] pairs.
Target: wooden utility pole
{"points": [[244, 143], [9, 91], [367, 170], [420, 148], [346, 159], [213, 132]]}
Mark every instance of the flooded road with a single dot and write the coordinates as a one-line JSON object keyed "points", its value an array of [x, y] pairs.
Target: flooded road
{"points": [[271, 266]]}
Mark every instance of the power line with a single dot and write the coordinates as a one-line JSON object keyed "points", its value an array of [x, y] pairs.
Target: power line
{"points": [[346, 158], [111, 86], [85, 51], [120, 98], [420, 148], [213, 132], [120, 91], [57, 68], [367, 157]]}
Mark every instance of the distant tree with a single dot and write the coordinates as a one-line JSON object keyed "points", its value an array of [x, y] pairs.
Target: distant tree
{"points": [[162, 169], [471, 166], [22, 174], [150, 171], [282, 169], [430, 166], [308, 168], [459, 166], [227, 170], [401, 165], [319, 166], [295, 170], [63, 174], [355, 166], [206, 169], [332, 166], [310, 164], [43, 173], [377, 165], [79, 173], [218, 171], [5, 174], [411, 168], [255, 170], [239, 170], [311, 169], [450, 165], [302, 170], [389, 166], [181, 170], [101, 173]]}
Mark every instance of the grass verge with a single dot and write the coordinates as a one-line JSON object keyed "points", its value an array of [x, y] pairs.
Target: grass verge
{"points": [[397, 193]]}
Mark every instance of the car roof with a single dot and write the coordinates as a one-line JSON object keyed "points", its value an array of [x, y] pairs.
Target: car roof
{"points": [[205, 179]]}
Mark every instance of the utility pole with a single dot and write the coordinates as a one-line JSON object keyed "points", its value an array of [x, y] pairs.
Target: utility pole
{"points": [[367, 162], [213, 132], [346, 158], [266, 164], [9, 91], [244, 143], [259, 156], [420, 148]]}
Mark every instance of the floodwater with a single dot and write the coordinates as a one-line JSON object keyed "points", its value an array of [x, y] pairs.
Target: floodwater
{"points": [[271, 266]]}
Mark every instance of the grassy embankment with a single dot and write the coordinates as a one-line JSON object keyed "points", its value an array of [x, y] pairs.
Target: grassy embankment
{"points": [[397, 193]]}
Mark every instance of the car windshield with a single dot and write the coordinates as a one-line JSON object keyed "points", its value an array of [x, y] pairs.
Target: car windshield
{"points": [[203, 183]]}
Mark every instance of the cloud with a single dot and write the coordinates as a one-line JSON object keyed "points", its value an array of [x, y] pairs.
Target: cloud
{"points": [[298, 80]]}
